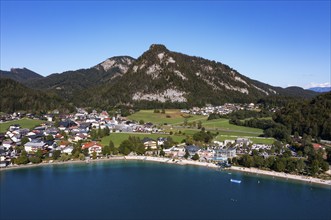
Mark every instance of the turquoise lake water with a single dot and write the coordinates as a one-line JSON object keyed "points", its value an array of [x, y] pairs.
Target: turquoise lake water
{"points": [[148, 190]]}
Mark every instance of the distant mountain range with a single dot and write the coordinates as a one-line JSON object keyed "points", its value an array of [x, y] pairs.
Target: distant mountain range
{"points": [[15, 96], [158, 77], [20, 75], [320, 89]]}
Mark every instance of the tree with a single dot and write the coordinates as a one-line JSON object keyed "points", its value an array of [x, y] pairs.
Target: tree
{"points": [[291, 165], [56, 154], [162, 154], [168, 143], [99, 133], [314, 168], [187, 154], [280, 165], [324, 166], [247, 161], [195, 157], [35, 159], [24, 140], [125, 147], [81, 156], [255, 152], [75, 154], [269, 162], [94, 134], [258, 161], [106, 150], [85, 152], [64, 157], [278, 147], [300, 166], [203, 136], [39, 153], [141, 122], [23, 158], [106, 131], [328, 155], [287, 153], [49, 137], [94, 155], [199, 124]]}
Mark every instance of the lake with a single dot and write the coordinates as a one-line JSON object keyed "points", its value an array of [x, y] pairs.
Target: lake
{"points": [[148, 190]]}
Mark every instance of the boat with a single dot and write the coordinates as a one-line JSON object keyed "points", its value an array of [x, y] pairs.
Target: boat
{"points": [[235, 181]]}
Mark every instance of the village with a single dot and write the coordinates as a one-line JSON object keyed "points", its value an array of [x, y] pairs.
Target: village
{"points": [[53, 140]]}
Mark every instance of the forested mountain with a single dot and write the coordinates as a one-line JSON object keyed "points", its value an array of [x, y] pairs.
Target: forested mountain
{"points": [[15, 97], [67, 83], [20, 75], [308, 117], [164, 78], [160, 77]]}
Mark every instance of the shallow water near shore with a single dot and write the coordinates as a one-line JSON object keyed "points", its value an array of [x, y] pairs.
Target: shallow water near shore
{"points": [[149, 190]]}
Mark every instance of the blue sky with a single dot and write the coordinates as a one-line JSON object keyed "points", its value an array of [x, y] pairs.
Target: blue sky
{"points": [[277, 42]]}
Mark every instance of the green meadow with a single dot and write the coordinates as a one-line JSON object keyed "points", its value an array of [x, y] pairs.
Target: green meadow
{"points": [[175, 119], [224, 125], [118, 138], [25, 123], [171, 116]]}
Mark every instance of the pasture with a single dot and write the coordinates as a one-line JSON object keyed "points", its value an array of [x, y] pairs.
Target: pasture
{"points": [[25, 123], [118, 138], [171, 116]]}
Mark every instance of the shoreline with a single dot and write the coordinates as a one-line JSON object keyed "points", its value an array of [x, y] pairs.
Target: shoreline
{"points": [[307, 179], [183, 162]]}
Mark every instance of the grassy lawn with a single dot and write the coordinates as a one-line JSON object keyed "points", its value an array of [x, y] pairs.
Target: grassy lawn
{"points": [[171, 116], [25, 123], [118, 138], [256, 140], [224, 125]]}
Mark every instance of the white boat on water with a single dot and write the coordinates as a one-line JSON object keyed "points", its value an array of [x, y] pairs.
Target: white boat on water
{"points": [[235, 181]]}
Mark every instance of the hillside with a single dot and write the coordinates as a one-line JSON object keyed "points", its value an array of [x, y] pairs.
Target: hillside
{"points": [[14, 97], [308, 117], [20, 75], [160, 77], [69, 82]]}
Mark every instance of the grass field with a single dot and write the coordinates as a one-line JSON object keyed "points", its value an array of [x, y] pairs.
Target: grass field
{"points": [[223, 124], [171, 116], [25, 123], [118, 138]]}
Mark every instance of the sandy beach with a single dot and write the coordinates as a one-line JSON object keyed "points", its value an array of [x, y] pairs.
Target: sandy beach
{"points": [[307, 179], [182, 162], [172, 161]]}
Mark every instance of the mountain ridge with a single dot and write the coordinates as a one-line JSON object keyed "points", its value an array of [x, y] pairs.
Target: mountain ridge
{"points": [[159, 77], [320, 89], [14, 96], [20, 74]]}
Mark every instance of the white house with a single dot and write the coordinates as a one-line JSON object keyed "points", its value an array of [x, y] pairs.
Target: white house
{"points": [[33, 146], [93, 147], [67, 149]]}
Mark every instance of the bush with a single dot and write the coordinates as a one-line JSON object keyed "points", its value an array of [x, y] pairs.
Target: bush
{"points": [[35, 159], [195, 157], [81, 156]]}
